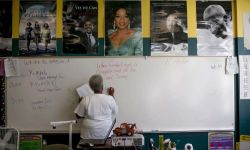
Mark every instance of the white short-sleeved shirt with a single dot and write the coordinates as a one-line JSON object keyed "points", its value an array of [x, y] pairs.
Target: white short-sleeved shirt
{"points": [[97, 111]]}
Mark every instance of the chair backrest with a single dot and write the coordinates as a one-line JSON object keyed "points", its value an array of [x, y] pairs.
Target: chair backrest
{"points": [[9, 138], [56, 147]]}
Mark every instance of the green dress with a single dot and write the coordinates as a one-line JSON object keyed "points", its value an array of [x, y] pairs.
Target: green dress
{"points": [[131, 47]]}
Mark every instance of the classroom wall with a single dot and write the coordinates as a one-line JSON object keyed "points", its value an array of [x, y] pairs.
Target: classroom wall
{"points": [[198, 139]]}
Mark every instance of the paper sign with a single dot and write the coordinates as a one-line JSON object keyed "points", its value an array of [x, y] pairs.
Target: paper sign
{"points": [[221, 141], [84, 90], [244, 77], [11, 68], [232, 65], [244, 142], [30, 142]]}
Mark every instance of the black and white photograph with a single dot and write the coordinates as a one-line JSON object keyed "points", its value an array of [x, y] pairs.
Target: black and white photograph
{"points": [[214, 28], [37, 28], [123, 30], [5, 28], [80, 27], [168, 28], [246, 31]]}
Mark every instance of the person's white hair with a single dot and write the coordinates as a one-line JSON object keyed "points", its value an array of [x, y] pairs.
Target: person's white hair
{"points": [[96, 83], [213, 10]]}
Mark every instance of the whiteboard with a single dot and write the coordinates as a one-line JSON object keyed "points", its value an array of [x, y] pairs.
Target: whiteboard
{"points": [[156, 93]]}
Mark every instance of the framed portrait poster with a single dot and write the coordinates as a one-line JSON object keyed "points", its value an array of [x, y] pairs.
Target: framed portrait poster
{"points": [[214, 28], [37, 28], [80, 27], [168, 31], [123, 31], [5, 28]]}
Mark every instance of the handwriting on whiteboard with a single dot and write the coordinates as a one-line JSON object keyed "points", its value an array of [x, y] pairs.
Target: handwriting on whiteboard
{"points": [[45, 61], [44, 81], [116, 70], [170, 60], [16, 100], [14, 84], [40, 104], [216, 66]]}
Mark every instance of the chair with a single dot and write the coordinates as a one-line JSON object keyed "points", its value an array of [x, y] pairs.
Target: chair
{"points": [[56, 147], [9, 138]]}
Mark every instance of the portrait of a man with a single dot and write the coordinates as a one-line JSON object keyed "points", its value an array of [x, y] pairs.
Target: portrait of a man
{"points": [[214, 28], [169, 28], [80, 24]]}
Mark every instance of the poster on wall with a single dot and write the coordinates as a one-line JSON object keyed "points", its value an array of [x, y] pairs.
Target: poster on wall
{"points": [[246, 28], [31, 142], [244, 142], [5, 28], [221, 141], [80, 27], [168, 28], [214, 28], [123, 31], [37, 28]]}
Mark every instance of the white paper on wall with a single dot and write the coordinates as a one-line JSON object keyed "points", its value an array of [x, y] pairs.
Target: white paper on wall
{"points": [[244, 77]]}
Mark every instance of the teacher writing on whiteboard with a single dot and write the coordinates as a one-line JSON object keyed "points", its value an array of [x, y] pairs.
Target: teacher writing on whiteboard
{"points": [[96, 110]]}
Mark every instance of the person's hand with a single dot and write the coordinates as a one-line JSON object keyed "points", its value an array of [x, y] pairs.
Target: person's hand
{"points": [[80, 99], [180, 23], [111, 91], [70, 8]]}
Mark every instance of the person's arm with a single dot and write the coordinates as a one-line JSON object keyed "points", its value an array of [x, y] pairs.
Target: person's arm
{"points": [[80, 99], [114, 106], [80, 109], [77, 116], [181, 25], [26, 33], [49, 34]]}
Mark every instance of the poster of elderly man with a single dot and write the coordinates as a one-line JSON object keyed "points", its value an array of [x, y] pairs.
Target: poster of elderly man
{"points": [[214, 28], [168, 28]]}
